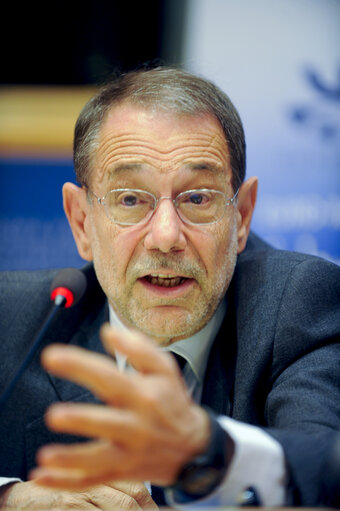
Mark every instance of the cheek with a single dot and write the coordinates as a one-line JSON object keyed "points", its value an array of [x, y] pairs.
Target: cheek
{"points": [[101, 238], [220, 256], [113, 248], [218, 245]]}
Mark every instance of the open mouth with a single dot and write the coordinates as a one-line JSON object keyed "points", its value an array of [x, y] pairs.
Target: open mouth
{"points": [[164, 280]]}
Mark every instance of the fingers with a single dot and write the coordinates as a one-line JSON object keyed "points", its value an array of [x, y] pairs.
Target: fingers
{"points": [[104, 498], [139, 492], [30, 496], [92, 457], [99, 373], [96, 372], [142, 353], [122, 495], [67, 479], [121, 426], [78, 466], [129, 496]]}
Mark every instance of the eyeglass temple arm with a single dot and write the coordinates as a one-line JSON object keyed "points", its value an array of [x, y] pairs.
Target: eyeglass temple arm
{"points": [[90, 192], [232, 200]]}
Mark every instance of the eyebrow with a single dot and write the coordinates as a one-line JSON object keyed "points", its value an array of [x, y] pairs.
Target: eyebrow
{"points": [[121, 167], [195, 166], [203, 165]]}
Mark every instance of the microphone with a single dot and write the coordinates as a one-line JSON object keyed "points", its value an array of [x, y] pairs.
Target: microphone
{"points": [[67, 288]]}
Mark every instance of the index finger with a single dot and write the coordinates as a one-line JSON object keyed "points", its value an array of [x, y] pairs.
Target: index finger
{"points": [[94, 371], [142, 353]]}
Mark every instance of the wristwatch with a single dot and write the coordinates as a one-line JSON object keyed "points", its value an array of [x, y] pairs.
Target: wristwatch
{"points": [[202, 474]]}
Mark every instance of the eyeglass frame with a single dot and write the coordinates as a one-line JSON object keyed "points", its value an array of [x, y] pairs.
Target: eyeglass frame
{"points": [[101, 200]]}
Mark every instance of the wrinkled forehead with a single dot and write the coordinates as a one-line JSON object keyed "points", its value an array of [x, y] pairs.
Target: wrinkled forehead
{"points": [[134, 139]]}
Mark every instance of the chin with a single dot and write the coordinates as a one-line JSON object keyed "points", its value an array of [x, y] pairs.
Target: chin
{"points": [[166, 328]]}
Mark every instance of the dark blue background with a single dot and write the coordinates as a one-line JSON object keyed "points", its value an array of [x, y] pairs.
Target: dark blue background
{"points": [[34, 232]]}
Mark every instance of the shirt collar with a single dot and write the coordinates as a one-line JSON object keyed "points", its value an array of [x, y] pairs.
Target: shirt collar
{"points": [[195, 349]]}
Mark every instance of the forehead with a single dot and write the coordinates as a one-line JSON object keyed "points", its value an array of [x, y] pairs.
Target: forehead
{"points": [[137, 139]]}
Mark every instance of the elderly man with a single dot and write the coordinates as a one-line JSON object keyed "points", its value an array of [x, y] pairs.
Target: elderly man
{"points": [[163, 213]]}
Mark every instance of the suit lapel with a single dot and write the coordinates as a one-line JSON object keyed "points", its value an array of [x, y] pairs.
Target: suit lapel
{"points": [[219, 377], [87, 337], [37, 434], [78, 326]]}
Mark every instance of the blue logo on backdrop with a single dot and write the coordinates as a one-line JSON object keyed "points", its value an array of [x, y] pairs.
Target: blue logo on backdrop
{"points": [[325, 122]]}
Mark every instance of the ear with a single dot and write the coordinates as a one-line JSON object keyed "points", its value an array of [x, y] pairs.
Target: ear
{"points": [[245, 205], [76, 209]]}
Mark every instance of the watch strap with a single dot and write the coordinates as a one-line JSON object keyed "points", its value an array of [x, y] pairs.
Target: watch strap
{"points": [[202, 474]]}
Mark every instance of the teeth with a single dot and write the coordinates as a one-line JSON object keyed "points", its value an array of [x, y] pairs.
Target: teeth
{"points": [[166, 281], [160, 275]]}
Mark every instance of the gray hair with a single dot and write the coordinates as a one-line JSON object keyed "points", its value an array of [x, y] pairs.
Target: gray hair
{"points": [[168, 89]]}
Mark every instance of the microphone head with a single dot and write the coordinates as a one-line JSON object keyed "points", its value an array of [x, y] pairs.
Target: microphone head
{"points": [[68, 286]]}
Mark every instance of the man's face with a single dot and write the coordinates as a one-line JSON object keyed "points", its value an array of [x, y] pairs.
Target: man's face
{"points": [[164, 277]]}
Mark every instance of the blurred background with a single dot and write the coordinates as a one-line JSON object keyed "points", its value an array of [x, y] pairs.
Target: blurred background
{"points": [[279, 61]]}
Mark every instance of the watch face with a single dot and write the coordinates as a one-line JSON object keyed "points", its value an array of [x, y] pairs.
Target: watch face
{"points": [[205, 472], [199, 480]]}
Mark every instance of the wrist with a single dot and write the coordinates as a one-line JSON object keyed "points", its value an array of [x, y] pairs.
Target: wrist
{"points": [[5, 491], [205, 472]]}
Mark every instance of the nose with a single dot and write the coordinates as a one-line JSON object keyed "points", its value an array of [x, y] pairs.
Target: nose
{"points": [[165, 229]]}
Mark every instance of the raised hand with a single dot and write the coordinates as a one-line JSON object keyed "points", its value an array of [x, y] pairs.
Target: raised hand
{"points": [[148, 429]]}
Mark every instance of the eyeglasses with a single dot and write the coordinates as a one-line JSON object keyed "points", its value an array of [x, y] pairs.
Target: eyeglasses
{"points": [[127, 206]]}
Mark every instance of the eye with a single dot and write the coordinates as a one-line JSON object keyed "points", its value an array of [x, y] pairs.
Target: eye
{"points": [[129, 200], [197, 198]]}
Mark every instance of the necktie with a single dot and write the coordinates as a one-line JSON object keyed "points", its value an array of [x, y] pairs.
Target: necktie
{"points": [[180, 360], [157, 494]]}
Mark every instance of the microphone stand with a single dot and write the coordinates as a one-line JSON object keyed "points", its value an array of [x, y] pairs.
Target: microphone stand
{"points": [[59, 303]]}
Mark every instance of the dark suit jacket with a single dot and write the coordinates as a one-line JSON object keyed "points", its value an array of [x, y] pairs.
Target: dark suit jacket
{"points": [[275, 362]]}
